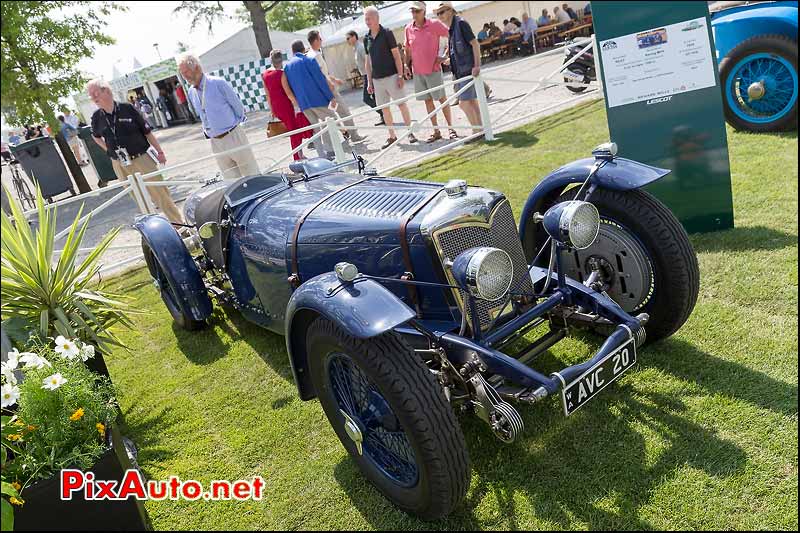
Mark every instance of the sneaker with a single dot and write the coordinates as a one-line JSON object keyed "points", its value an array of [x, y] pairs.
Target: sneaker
{"points": [[390, 141], [411, 138], [311, 146], [356, 139]]}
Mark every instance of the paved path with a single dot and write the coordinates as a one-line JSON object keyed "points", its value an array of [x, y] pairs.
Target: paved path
{"points": [[186, 143]]}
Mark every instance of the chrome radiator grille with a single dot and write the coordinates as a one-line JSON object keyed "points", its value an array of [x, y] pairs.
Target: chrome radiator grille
{"points": [[500, 232]]}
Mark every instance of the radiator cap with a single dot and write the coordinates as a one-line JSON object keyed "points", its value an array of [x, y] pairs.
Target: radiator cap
{"points": [[455, 187]]}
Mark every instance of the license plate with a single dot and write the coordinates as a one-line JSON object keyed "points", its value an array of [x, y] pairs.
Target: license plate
{"points": [[578, 393], [572, 75]]}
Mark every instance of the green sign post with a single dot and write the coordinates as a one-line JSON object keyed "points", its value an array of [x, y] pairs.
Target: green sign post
{"points": [[664, 103]]}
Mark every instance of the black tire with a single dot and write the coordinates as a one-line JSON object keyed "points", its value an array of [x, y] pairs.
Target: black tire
{"points": [[772, 44], [582, 70], [182, 319], [675, 272], [418, 403]]}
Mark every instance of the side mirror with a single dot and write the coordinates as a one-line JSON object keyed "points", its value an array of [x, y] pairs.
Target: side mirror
{"points": [[208, 230], [605, 151]]}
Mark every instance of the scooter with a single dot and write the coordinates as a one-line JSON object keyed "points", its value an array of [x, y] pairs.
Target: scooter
{"points": [[581, 71]]}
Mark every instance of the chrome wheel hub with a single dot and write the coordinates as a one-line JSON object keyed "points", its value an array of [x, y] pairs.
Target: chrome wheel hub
{"points": [[353, 431], [756, 90]]}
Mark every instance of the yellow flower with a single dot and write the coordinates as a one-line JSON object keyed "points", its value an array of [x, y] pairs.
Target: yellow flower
{"points": [[101, 429], [14, 436], [77, 415], [17, 486], [16, 501], [19, 423], [30, 427]]}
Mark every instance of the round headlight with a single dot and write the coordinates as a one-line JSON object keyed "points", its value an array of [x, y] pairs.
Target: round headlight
{"points": [[573, 223], [485, 272]]}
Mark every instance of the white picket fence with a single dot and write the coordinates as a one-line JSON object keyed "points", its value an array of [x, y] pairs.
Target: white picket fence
{"points": [[137, 184]]}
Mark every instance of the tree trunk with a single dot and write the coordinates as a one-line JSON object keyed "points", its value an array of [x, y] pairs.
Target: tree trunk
{"points": [[258, 17]]}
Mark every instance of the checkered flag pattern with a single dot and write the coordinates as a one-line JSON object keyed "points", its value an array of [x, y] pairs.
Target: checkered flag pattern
{"points": [[246, 80]]}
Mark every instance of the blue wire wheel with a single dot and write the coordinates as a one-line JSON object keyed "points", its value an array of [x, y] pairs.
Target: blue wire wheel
{"points": [[762, 88], [370, 422]]}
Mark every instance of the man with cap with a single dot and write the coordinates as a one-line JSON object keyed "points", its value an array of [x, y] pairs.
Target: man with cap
{"points": [[465, 59], [426, 47]]}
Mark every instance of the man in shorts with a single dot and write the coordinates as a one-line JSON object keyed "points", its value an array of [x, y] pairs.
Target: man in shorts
{"points": [[426, 47], [385, 71]]}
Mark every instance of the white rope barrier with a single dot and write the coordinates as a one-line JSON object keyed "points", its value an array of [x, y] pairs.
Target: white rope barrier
{"points": [[99, 209]]}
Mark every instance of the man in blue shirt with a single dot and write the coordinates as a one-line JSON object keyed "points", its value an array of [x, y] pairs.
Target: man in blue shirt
{"points": [[310, 88], [528, 30], [221, 112]]}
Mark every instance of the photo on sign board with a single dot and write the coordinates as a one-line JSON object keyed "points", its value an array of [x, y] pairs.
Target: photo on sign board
{"points": [[651, 38]]}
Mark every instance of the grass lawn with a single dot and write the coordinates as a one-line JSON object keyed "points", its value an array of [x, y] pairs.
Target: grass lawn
{"points": [[701, 435]]}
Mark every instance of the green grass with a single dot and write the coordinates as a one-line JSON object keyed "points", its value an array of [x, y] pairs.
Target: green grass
{"points": [[702, 434]]}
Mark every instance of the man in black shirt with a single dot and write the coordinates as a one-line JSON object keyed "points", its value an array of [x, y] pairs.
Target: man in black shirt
{"points": [[121, 131], [385, 71]]}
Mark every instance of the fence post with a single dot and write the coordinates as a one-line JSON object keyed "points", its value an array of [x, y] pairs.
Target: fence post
{"points": [[336, 140], [137, 195], [148, 202], [596, 54], [483, 107]]}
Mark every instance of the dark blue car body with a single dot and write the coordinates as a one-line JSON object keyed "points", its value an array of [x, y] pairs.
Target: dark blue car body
{"points": [[381, 287]]}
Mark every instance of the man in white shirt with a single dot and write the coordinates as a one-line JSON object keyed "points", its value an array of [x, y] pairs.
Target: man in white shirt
{"points": [[75, 141], [315, 41], [560, 15]]}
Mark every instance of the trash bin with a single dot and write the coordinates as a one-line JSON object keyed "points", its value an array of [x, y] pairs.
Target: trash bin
{"points": [[43, 164], [100, 159]]}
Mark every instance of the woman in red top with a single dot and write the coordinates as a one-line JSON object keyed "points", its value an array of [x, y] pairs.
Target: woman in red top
{"points": [[283, 103]]}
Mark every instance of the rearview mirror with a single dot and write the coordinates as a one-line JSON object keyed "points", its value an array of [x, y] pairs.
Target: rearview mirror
{"points": [[208, 230]]}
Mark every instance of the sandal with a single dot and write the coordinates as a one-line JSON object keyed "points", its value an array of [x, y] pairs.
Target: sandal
{"points": [[411, 138], [453, 134], [437, 136], [390, 141]]}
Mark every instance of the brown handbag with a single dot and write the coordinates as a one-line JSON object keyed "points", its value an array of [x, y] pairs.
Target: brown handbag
{"points": [[275, 128]]}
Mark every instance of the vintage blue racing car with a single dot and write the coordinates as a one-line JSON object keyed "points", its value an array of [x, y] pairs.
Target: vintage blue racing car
{"points": [[757, 54], [405, 301]]}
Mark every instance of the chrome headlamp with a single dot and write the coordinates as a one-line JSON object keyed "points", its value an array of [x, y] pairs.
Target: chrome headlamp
{"points": [[484, 272], [573, 223]]}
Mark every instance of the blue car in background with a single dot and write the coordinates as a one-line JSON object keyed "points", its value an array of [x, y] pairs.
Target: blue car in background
{"points": [[757, 54]]}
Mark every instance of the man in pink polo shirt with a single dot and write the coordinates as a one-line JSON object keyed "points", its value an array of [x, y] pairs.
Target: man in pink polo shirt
{"points": [[426, 48]]}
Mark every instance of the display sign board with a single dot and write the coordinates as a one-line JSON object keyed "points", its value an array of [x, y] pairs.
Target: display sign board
{"points": [[664, 103], [159, 71]]}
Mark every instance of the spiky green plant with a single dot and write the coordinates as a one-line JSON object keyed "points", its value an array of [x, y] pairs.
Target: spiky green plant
{"points": [[46, 295]]}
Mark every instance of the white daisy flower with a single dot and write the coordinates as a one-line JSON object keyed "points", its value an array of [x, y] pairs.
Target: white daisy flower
{"points": [[10, 395], [32, 360], [13, 359], [66, 348], [53, 382], [87, 352], [8, 373]]}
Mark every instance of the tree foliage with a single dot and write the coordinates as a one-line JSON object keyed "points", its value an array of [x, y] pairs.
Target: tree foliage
{"points": [[42, 44], [293, 16], [208, 13]]}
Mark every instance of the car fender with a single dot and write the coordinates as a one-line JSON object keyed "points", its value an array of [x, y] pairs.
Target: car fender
{"points": [[736, 25], [176, 263], [619, 174], [363, 309]]}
